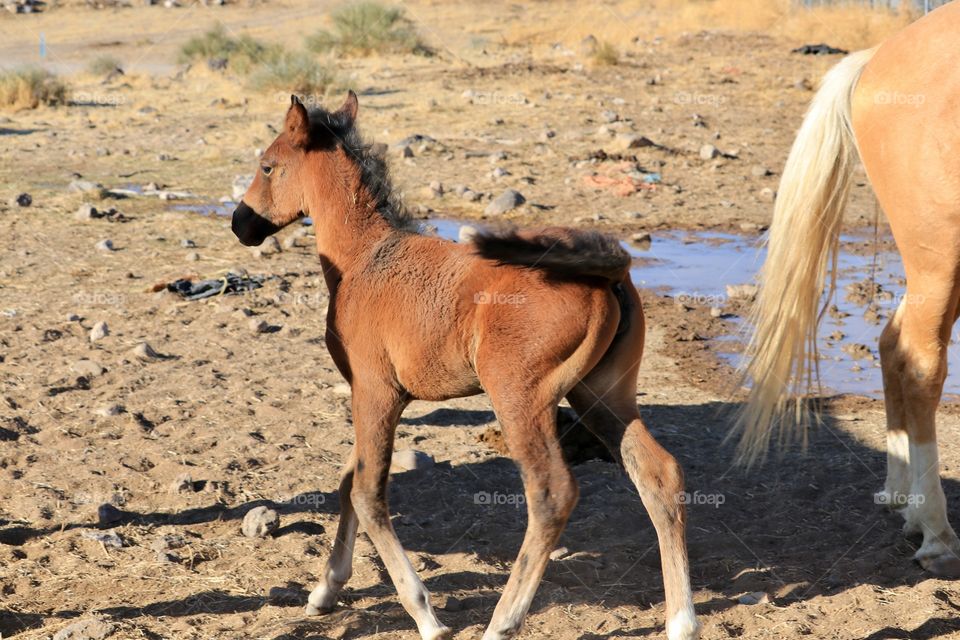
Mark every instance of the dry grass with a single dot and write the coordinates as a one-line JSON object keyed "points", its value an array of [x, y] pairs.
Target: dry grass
{"points": [[295, 73], [103, 65], [621, 22], [368, 27], [243, 53], [606, 54], [29, 87]]}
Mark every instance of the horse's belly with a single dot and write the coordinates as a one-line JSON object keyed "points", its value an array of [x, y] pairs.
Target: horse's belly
{"points": [[436, 381]]}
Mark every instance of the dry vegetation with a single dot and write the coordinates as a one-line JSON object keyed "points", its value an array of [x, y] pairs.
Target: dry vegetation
{"points": [[29, 87]]}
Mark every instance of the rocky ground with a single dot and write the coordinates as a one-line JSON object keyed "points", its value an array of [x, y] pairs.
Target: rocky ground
{"points": [[139, 429]]}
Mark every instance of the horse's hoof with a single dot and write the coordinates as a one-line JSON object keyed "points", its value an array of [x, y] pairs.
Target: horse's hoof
{"points": [[441, 633], [944, 565], [313, 610]]}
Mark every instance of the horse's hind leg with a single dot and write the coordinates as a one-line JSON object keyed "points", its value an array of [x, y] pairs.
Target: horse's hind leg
{"points": [[897, 485], [606, 402], [529, 427], [340, 564]]}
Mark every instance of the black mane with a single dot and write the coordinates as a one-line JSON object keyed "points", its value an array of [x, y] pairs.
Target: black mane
{"points": [[332, 129]]}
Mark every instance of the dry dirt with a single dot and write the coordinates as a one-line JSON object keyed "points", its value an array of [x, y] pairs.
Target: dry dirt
{"points": [[263, 418]]}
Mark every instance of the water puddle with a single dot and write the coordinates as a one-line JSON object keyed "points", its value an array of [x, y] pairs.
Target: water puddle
{"points": [[696, 267]]}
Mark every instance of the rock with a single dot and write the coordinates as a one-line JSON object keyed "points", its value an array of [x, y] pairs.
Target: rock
{"points": [[85, 186], [240, 185], [145, 352], [609, 116], [109, 410], [559, 553], [24, 200], [87, 368], [107, 538], [716, 312], [85, 212], [260, 522], [89, 629], [547, 135], [466, 234], [752, 227], [187, 243], [108, 514], [436, 188], [105, 245], [624, 141], [742, 291], [258, 326], [858, 351], [410, 460], [589, 44], [499, 172], [642, 239], [100, 330], [471, 196], [506, 201], [758, 171], [709, 152], [406, 152], [183, 483], [192, 256], [73, 317], [757, 597], [767, 194], [270, 246], [291, 241], [342, 389]]}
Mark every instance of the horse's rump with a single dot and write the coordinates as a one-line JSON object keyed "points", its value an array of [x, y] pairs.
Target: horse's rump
{"points": [[561, 252]]}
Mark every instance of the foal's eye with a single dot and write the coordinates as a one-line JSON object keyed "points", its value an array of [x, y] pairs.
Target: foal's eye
{"points": [[267, 170]]}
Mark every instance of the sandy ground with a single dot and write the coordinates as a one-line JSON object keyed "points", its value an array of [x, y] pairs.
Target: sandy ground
{"points": [[225, 419]]}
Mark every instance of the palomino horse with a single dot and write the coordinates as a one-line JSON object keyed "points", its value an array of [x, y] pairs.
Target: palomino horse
{"points": [[898, 105], [528, 317]]}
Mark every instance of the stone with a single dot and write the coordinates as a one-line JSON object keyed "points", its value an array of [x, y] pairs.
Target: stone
{"points": [[410, 460], [85, 212], [183, 483], [259, 326], [87, 368], [559, 553], [108, 539], [99, 331], [260, 522], [143, 351], [187, 243], [709, 152], [105, 245], [466, 234], [643, 239], [84, 186], [109, 410], [89, 629], [767, 194], [406, 152], [742, 291], [758, 171], [609, 116], [624, 141], [506, 201], [270, 246], [716, 312], [24, 200], [757, 597], [108, 514], [192, 256]]}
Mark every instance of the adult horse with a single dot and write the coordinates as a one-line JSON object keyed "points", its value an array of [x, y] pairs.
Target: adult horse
{"points": [[898, 107], [529, 317]]}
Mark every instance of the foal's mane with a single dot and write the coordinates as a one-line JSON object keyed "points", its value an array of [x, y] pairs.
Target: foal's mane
{"points": [[336, 128]]}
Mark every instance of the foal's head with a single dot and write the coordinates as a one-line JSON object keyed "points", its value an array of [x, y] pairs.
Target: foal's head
{"points": [[277, 195]]}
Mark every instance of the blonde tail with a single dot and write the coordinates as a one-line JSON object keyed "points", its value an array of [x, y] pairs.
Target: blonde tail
{"points": [[803, 241]]}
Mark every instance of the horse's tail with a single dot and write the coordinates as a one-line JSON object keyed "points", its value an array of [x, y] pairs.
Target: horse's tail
{"points": [[563, 253], [803, 241]]}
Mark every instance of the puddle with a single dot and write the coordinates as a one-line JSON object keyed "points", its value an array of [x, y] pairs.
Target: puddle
{"points": [[224, 209], [700, 265]]}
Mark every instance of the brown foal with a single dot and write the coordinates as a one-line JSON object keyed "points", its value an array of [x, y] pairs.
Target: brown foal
{"points": [[527, 317]]}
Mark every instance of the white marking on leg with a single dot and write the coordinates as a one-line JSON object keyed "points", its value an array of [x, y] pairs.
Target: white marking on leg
{"points": [[683, 625], [897, 485], [927, 505]]}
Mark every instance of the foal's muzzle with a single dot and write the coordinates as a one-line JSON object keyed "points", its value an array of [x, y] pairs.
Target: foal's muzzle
{"points": [[250, 227]]}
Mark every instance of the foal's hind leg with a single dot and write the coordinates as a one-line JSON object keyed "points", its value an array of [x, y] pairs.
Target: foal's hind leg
{"points": [[340, 564], [606, 404], [529, 427]]}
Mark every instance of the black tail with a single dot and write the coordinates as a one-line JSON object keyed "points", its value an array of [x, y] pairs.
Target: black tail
{"points": [[564, 253]]}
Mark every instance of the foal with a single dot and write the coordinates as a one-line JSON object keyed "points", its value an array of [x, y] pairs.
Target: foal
{"points": [[527, 317]]}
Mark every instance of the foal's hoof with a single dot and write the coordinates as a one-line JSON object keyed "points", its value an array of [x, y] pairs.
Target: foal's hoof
{"points": [[313, 610], [944, 565], [440, 633]]}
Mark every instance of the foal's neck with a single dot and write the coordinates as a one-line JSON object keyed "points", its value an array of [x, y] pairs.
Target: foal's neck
{"points": [[345, 217]]}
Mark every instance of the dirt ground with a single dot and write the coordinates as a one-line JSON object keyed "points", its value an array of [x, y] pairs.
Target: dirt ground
{"points": [[183, 442]]}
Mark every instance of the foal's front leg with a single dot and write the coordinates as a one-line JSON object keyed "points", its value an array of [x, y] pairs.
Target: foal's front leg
{"points": [[376, 411]]}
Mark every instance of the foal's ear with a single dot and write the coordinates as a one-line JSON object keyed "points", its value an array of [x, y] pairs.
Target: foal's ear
{"points": [[297, 124], [349, 109]]}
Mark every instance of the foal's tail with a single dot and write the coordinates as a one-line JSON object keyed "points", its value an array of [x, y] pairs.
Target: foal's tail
{"points": [[564, 253], [803, 242]]}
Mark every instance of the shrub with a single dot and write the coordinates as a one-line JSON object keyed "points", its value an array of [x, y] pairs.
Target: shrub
{"points": [[606, 54], [242, 53], [368, 27], [29, 87], [294, 73], [103, 65]]}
